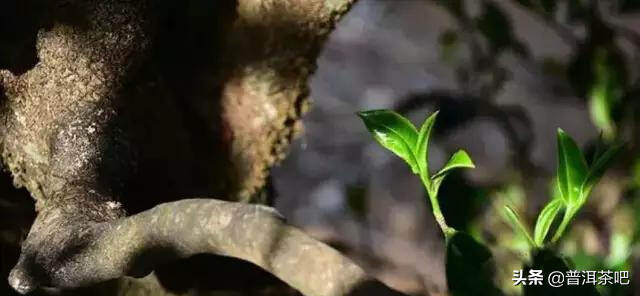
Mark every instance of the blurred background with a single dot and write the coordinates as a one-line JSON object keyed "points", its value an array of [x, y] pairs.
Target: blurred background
{"points": [[505, 74]]}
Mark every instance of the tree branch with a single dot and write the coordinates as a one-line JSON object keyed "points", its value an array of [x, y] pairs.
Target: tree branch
{"points": [[134, 245], [121, 104]]}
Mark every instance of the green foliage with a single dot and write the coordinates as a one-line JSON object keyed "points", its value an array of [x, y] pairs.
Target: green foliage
{"points": [[458, 160], [423, 143], [393, 132], [601, 163], [545, 219], [599, 72], [514, 220], [465, 256], [606, 89], [574, 183], [398, 134], [575, 179], [572, 168]]}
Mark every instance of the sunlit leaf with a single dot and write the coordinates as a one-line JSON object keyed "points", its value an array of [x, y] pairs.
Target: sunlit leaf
{"points": [[600, 109], [545, 220], [607, 88], [516, 223], [570, 212], [458, 160], [621, 247], [422, 145], [393, 132], [572, 168], [600, 62]]}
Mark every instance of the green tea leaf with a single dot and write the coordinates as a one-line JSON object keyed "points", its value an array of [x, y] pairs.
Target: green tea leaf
{"points": [[607, 87], [422, 146], [516, 223], [572, 168], [570, 211], [393, 132], [465, 257], [545, 219], [460, 159], [600, 165], [600, 108]]}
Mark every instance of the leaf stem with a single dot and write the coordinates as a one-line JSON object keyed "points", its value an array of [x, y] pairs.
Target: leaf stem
{"points": [[435, 206], [568, 215]]}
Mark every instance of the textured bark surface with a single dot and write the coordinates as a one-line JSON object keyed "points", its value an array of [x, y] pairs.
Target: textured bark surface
{"points": [[185, 228], [145, 74], [136, 103]]}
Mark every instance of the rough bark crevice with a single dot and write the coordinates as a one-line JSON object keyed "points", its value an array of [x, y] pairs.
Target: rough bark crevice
{"points": [[137, 103], [161, 76]]}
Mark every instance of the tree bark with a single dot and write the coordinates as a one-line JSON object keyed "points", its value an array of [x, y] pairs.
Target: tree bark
{"points": [[255, 233], [136, 103]]}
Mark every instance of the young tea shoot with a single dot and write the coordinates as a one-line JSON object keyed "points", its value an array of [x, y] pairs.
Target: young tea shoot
{"points": [[574, 182], [400, 136], [464, 255]]}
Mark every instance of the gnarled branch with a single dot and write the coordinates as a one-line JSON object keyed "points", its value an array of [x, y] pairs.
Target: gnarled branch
{"points": [[133, 103], [134, 245]]}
